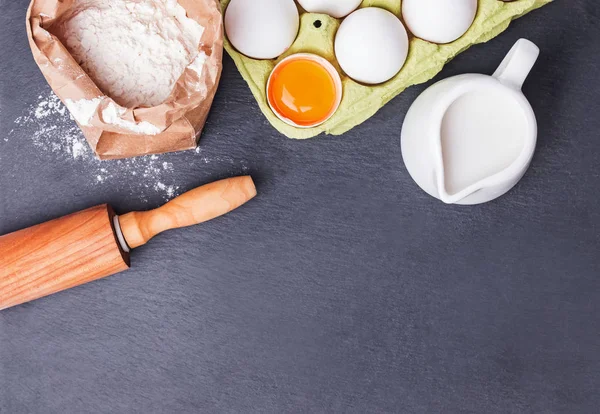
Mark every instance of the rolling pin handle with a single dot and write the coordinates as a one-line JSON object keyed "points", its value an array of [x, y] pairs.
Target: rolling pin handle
{"points": [[194, 207]]}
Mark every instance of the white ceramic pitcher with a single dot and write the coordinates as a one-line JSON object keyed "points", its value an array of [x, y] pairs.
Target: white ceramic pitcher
{"points": [[470, 138]]}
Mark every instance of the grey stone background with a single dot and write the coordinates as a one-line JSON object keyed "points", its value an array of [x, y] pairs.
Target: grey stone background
{"points": [[342, 287]]}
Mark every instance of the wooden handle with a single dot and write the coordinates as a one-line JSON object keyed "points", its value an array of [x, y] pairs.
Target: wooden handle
{"points": [[196, 206]]}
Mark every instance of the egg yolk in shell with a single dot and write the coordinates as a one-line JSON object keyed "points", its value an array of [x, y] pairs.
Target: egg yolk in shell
{"points": [[303, 91]]}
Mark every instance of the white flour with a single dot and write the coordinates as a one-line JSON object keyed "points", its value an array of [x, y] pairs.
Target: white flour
{"points": [[112, 114], [47, 123], [83, 110], [134, 51]]}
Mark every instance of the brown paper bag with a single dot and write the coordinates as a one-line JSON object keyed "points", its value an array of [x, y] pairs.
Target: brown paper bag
{"points": [[180, 118]]}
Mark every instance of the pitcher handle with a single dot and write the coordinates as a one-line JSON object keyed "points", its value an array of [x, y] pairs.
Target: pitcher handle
{"points": [[517, 64]]}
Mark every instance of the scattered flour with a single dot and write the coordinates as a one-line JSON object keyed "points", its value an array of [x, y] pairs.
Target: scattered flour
{"points": [[47, 107], [47, 123], [134, 51], [78, 149]]}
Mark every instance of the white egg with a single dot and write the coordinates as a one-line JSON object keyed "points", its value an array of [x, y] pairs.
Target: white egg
{"points": [[334, 8], [439, 21], [262, 29], [371, 45]]}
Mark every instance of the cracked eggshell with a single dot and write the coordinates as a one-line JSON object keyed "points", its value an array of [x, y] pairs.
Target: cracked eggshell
{"points": [[334, 8], [439, 21], [371, 45], [262, 29]]}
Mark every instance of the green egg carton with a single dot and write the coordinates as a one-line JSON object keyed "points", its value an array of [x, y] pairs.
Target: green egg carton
{"points": [[359, 101]]}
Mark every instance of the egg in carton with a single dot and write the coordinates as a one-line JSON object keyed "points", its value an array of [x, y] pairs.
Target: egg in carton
{"points": [[364, 91]]}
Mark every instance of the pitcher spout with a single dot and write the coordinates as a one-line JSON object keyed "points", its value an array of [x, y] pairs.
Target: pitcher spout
{"points": [[451, 196], [466, 193]]}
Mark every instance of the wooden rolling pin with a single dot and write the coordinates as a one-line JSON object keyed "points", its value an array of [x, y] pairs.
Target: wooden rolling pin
{"points": [[95, 243]]}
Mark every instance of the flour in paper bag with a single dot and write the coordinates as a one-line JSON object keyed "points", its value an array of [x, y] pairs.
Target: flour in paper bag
{"points": [[135, 51]]}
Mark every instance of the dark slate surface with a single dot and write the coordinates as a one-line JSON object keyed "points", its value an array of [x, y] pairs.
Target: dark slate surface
{"points": [[342, 287]]}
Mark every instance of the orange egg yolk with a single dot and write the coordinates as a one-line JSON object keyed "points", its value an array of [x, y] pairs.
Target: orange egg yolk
{"points": [[302, 91]]}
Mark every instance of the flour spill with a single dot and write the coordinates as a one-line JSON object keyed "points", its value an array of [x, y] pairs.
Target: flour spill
{"points": [[48, 125]]}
